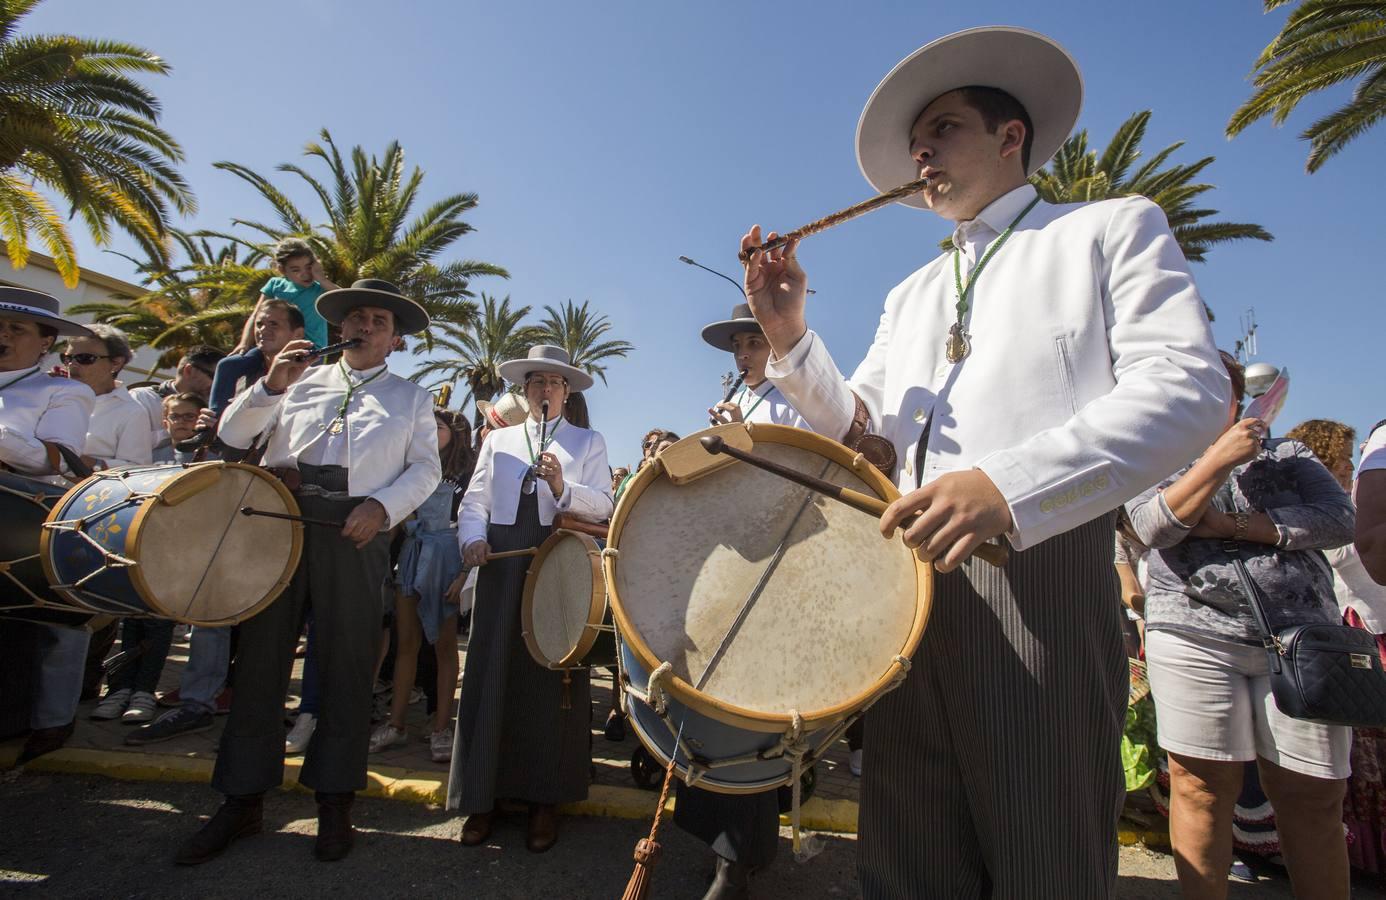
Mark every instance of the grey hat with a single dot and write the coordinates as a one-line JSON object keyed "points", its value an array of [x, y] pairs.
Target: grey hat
{"points": [[38, 307], [410, 317], [719, 334], [1030, 67], [545, 358]]}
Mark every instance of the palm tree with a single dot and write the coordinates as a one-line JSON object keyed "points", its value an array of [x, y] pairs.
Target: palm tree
{"points": [[1077, 174], [579, 331], [473, 352], [1323, 43], [369, 233], [74, 121], [181, 310]]}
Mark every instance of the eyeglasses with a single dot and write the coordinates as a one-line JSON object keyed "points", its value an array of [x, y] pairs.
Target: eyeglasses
{"points": [[84, 359], [547, 382], [181, 417]]}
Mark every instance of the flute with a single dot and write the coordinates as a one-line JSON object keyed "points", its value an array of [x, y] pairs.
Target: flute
{"points": [[310, 355], [740, 377], [838, 217]]}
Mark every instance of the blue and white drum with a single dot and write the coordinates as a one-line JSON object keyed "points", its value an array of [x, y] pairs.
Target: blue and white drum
{"points": [[169, 541], [756, 619]]}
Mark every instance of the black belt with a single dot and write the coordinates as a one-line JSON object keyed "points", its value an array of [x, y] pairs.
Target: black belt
{"points": [[333, 479]]}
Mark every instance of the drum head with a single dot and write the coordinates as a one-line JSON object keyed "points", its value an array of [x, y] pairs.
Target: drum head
{"points": [[201, 561], [564, 600], [763, 596]]}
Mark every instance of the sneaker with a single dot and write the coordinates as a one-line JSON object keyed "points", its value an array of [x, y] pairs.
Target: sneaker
{"points": [[112, 705], [170, 699], [854, 763], [379, 687], [301, 733], [175, 722], [224, 702], [387, 736], [141, 709], [440, 746], [415, 695]]}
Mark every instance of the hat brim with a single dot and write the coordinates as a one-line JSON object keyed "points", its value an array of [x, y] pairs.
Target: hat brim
{"points": [[410, 317], [64, 327], [515, 370], [719, 334], [1030, 67]]}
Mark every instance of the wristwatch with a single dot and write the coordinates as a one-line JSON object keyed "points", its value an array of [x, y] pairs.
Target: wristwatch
{"points": [[1240, 522]]}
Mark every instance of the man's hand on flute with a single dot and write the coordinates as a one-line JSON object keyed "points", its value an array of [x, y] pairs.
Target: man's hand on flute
{"points": [[776, 286]]}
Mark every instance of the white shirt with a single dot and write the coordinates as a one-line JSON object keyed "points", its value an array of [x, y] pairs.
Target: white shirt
{"points": [[118, 433], [390, 437], [35, 407], [152, 401], [1355, 589], [1093, 372], [329, 449], [765, 403], [1373, 452], [493, 495]]}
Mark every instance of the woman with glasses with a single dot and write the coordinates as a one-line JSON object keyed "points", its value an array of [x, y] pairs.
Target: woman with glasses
{"points": [[523, 730], [118, 433]]}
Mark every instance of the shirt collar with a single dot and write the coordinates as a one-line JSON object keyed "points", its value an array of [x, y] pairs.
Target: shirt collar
{"points": [[995, 216], [362, 374], [552, 424]]}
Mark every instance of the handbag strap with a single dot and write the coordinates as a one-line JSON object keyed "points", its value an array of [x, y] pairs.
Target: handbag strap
{"points": [[1226, 498]]}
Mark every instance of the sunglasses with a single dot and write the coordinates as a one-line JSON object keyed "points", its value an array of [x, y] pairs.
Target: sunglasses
{"points": [[84, 359]]}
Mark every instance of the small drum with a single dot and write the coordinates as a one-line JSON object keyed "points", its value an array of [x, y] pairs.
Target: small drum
{"points": [[24, 591], [169, 541], [769, 616], [564, 616]]}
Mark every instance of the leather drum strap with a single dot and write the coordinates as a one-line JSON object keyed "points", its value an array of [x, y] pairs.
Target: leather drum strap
{"points": [[875, 449]]}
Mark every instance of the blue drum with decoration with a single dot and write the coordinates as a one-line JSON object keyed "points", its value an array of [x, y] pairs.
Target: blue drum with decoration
{"points": [[170, 541]]}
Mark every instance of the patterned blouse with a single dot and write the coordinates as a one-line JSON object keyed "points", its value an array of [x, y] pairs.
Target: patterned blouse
{"points": [[1193, 586]]}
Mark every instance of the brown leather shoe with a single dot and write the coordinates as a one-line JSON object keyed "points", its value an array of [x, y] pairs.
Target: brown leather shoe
{"points": [[238, 817], [477, 828], [44, 740], [335, 834], [543, 828]]}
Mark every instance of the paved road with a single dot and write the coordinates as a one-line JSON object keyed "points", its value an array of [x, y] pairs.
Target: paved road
{"points": [[74, 836]]}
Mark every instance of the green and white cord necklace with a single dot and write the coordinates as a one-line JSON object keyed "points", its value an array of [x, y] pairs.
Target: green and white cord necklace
{"points": [[959, 343]]}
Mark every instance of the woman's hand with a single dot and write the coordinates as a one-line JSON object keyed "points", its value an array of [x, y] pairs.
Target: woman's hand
{"points": [[1238, 444], [475, 553]]}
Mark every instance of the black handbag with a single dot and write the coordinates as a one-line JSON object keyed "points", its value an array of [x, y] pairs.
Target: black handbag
{"points": [[1330, 674]]}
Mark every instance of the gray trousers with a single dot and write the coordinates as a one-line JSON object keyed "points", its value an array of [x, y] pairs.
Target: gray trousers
{"points": [[995, 769], [344, 584]]}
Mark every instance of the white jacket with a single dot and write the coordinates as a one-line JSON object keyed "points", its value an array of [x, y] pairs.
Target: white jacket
{"points": [[493, 495], [1093, 372], [392, 437], [35, 407]]}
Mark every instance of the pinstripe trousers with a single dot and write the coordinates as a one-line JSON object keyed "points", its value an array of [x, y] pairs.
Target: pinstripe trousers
{"points": [[995, 770]]}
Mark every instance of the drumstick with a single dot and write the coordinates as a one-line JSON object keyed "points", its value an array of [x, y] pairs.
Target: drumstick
{"points": [[992, 553], [251, 511], [838, 217]]}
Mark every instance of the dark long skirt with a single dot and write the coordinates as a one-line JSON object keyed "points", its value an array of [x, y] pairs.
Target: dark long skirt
{"points": [[743, 828], [995, 769], [514, 739]]}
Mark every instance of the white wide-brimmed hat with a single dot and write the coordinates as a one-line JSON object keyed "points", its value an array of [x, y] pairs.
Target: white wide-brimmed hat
{"points": [[719, 334], [38, 307], [1030, 67], [510, 409], [545, 358]]}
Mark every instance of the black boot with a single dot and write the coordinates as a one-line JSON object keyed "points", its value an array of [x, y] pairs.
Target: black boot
{"points": [[238, 817], [732, 881], [335, 834]]}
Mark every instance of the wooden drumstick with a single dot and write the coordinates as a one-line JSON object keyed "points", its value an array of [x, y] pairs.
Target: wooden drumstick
{"points": [[987, 552], [838, 217], [251, 511]]}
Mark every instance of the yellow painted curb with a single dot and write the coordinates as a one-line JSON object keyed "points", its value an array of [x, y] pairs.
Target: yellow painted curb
{"points": [[1155, 840], [411, 786]]}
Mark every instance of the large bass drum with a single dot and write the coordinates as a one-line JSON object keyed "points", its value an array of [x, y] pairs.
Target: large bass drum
{"points": [[757, 619], [170, 541]]}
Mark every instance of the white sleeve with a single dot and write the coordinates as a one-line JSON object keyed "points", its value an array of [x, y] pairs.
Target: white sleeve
{"points": [[422, 469], [1373, 452], [249, 416], [589, 495], [474, 513], [134, 443]]}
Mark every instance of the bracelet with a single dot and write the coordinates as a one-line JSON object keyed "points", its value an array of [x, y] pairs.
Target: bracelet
{"points": [[1242, 522]]}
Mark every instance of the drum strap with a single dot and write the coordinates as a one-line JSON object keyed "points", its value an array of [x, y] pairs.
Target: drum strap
{"points": [[59, 454]]}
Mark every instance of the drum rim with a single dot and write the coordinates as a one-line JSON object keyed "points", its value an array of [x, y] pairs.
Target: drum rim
{"points": [[596, 611], [729, 713], [135, 535]]}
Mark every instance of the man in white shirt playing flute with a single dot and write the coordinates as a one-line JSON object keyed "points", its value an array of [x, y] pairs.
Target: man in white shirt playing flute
{"points": [[1050, 365]]}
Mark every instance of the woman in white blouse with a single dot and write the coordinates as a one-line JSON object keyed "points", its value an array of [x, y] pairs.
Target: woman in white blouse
{"points": [[118, 434]]}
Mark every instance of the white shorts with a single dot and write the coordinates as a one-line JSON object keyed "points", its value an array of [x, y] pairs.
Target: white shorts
{"points": [[1213, 701]]}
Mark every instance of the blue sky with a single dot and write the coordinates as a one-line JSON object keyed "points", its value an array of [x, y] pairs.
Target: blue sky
{"points": [[606, 139]]}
